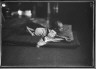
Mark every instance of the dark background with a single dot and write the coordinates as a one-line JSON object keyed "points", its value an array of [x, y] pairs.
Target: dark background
{"points": [[80, 16]]}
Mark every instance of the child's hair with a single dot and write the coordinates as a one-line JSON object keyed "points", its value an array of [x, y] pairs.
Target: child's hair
{"points": [[59, 24]]}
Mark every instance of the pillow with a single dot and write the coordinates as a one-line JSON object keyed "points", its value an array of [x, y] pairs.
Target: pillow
{"points": [[66, 32]]}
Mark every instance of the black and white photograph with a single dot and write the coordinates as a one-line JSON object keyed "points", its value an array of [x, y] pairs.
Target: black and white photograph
{"points": [[47, 34]]}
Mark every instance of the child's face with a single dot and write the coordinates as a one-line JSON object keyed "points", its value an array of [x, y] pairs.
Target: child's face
{"points": [[60, 24], [52, 33]]}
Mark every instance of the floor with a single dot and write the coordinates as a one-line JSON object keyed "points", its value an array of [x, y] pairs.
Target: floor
{"points": [[47, 57]]}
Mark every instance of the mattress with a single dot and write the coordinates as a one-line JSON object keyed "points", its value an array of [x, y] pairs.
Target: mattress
{"points": [[28, 40]]}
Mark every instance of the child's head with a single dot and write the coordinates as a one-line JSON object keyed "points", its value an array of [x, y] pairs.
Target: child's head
{"points": [[52, 33], [59, 24]]}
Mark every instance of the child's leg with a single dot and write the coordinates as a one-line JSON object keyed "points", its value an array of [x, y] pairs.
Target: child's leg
{"points": [[31, 31], [41, 43]]}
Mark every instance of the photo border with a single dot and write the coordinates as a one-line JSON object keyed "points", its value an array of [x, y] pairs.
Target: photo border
{"points": [[94, 32]]}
